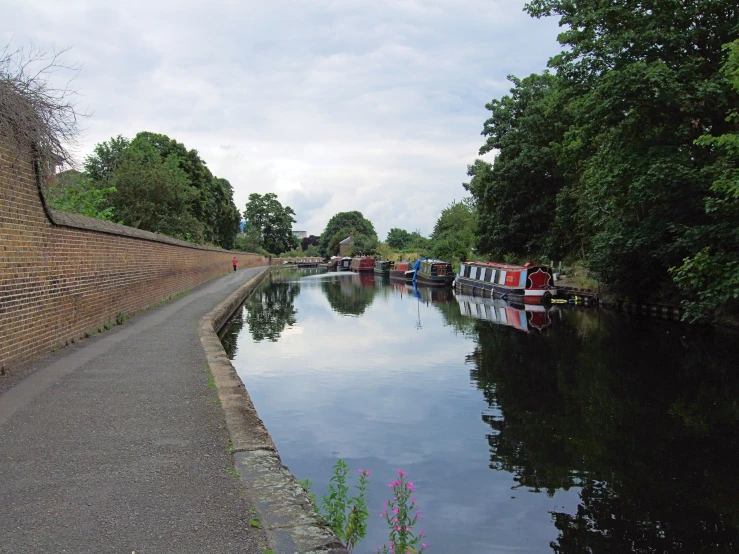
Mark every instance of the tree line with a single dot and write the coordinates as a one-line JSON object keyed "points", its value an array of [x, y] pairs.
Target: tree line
{"points": [[152, 183], [624, 153]]}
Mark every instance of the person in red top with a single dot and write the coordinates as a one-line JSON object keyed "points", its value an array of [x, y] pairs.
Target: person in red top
{"points": [[235, 261]]}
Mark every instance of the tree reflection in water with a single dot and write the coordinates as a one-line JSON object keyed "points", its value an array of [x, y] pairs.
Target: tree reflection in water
{"points": [[641, 415], [272, 308], [350, 295]]}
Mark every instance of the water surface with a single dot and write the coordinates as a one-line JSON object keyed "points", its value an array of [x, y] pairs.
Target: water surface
{"points": [[572, 430]]}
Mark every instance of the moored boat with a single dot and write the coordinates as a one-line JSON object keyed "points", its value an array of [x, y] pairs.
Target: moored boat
{"points": [[433, 272], [398, 270], [530, 283], [363, 264], [383, 267], [344, 264]]}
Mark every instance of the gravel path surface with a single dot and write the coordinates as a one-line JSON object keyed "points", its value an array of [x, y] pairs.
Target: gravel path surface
{"points": [[118, 444]]}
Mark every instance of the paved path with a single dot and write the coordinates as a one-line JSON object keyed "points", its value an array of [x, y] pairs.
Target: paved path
{"points": [[117, 444]]}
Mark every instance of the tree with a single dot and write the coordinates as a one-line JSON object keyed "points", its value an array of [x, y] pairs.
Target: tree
{"points": [[312, 240], [641, 82], [101, 164], [517, 195], [710, 277], [398, 238], [453, 235], [210, 197], [273, 222], [154, 194], [344, 222]]}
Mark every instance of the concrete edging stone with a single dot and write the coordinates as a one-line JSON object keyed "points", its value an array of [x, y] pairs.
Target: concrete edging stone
{"points": [[291, 525]]}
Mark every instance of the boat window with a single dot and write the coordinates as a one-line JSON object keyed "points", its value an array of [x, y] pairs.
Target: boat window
{"points": [[501, 277], [488, 274]]}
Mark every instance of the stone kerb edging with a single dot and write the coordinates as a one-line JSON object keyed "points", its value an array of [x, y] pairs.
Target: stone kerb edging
{"points": [[282, 505]]}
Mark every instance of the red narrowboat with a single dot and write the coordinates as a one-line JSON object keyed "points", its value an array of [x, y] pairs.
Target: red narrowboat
{"points": [[363, 264], [530, 283]]}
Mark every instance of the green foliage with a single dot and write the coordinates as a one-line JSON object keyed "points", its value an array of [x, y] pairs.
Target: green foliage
{"points": [[154, 194], [77, 193], [308, 486], [346, 515], [339, 227], [516, 196], [625, 155], [101, 164], [710, 280], [364, 245], [177, 194], [271, 221], [453, 235], [398, 238]]}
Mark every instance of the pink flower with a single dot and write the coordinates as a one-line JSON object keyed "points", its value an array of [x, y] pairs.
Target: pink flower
{"points": [[413, 500], [424, 545], [395, 510], [407, 528], [385, 503], [401, 473]]}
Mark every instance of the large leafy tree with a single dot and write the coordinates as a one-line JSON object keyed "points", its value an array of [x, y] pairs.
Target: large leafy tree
{"points": [[339, 227], [101, 164], [272, 221], [453, 235], [212, 215], [517, 196], [710, 277], [398, 238], [154, 194], [642, 82]]}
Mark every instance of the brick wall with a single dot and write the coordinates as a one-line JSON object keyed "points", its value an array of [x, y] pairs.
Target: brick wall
{"points": [[64, 275]]}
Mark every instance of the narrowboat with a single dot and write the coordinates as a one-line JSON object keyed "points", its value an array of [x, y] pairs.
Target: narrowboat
{"points": [[344, 264], [524, 317], [530, 283], [383, 267], [363, 264], [399, 269], [433, 272]]}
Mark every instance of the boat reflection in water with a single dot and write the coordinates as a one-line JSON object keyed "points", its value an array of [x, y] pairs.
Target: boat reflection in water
{"points": [[525, 317], [425, 294]]}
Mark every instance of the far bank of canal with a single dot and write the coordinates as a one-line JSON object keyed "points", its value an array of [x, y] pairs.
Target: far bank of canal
{"points": [[571, 430]]}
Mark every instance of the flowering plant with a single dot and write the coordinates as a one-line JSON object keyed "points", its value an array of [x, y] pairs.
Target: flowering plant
{"points": [[401, 514]]}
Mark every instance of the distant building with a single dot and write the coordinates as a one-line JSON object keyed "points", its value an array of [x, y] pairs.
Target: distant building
{"points": [[346, 244], [300, 234]]}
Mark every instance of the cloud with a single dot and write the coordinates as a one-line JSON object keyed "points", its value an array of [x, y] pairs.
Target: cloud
{"points": [[335, 106]]}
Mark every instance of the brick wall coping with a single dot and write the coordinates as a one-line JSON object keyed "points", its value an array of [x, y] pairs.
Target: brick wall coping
{"points": [[79, 221]]}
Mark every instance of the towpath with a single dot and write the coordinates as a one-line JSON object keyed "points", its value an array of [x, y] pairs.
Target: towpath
{"points": [[118, 444]]}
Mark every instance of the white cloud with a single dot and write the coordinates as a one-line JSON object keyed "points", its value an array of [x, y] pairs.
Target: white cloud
{"points": [[336, 106]]}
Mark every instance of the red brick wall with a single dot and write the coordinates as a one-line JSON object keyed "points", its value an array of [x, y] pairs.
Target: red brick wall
{"points": [[58, 282]]}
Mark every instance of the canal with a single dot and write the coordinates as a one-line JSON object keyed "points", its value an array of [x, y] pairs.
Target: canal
{"points": [[572, 430]]}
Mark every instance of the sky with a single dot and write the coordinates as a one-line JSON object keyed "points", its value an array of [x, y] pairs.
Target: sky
{"points": [[334, 105]]}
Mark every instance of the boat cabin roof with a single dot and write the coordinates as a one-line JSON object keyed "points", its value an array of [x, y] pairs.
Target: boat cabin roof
{"points": [[498, 265]]}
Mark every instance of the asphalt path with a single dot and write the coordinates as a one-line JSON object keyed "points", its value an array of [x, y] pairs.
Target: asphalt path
{"points": [[117, 444]]}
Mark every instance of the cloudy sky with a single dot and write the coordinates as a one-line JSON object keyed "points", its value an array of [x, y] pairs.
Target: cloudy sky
{"points": [[335, 105]]}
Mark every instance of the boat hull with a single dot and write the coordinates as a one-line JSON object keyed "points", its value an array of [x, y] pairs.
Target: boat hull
{"points": [[434, 281], [512, 294]]}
